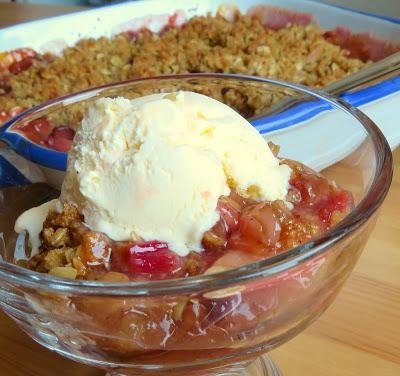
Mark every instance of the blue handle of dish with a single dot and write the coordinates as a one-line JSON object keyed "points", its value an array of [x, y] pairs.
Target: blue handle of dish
{"points": [[307, 110], [373, 92], [9, 175]]}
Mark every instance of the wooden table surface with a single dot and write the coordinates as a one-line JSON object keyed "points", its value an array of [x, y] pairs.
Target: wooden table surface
{"points": [[358, 336]]}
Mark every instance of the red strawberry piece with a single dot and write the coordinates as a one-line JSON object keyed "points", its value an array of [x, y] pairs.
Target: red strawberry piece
{"points": [[19, 66], [41, 127], [152, 257], [61, 139], [37, 130], [337, 201], [4, 116]]}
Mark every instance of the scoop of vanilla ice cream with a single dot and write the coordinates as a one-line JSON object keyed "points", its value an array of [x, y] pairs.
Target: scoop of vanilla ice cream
{"points": [[153, 168]]}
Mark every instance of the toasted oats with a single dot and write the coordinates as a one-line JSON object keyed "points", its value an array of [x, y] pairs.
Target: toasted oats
{"points": [[63, 272], [54, 258], [59, 237]]}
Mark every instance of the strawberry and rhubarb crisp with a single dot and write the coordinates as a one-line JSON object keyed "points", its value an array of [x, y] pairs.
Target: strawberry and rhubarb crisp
{"points": [[156, 199], [247, 231], [177, 185]]}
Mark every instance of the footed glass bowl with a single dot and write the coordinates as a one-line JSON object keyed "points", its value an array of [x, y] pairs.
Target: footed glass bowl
{"points": [[215, 324]]}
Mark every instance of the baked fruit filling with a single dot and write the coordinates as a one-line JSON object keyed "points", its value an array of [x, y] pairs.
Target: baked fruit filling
{"points": [[247, 231], [177, 185]]}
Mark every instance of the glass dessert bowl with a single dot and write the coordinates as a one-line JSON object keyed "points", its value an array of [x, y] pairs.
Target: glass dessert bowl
{"points": [[222, 316]]}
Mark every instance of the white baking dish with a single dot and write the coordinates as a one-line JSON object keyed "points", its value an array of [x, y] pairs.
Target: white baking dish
{"points": [[380, 101], [56, 31]]}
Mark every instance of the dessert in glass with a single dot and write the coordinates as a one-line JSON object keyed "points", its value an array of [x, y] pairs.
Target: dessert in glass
{"points": [[182, 241]]}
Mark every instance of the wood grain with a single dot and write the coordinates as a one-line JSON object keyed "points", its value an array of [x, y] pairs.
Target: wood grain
{"points": [[358, 336], [11, 14]]}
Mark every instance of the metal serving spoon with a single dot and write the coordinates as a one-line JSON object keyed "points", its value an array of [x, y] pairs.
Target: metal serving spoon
{"points": [[385, 68]]}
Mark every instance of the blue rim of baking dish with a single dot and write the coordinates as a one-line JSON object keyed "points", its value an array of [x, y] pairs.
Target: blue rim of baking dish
{"points": [[10, 175], [308, 110]]}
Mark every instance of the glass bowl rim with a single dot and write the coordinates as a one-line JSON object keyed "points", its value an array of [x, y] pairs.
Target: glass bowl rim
{"points": [[364, 210]]}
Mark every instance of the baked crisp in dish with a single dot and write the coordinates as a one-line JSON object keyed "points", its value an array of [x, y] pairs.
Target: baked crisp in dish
{"points": [[296, 53], [267, 42]]}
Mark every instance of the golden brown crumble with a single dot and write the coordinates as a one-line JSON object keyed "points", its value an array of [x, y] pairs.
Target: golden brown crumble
{"points": [[61, 248], [296, 53]]}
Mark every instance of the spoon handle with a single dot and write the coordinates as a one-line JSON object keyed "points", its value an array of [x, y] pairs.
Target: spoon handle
{"points": [[9, 175], [373, 73]]}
